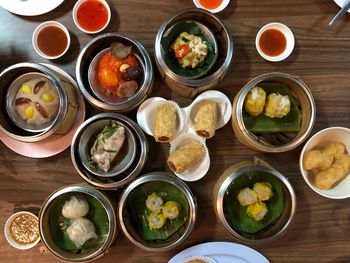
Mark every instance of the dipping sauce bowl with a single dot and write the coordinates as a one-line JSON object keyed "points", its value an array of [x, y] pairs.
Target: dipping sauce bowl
{"points": [[51, 40], [215, 6], [275, 42], [91, 16]]}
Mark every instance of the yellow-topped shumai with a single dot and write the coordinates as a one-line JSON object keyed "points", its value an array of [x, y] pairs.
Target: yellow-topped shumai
{"points": [[255, 101], [277, 105], [257, 211], [156, 220], [154, 203], [171, 210], [263, 190], [247, 196]]}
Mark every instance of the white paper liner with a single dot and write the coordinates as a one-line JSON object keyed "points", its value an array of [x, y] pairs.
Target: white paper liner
{"points": [[146, 112], [204, 258], [199, 170]]}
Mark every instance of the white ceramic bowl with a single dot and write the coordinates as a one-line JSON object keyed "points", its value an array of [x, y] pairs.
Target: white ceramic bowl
{"points": [[8, 235], [41, 27], [321, 139], [289, 38], [221, 7], [75, 18]]}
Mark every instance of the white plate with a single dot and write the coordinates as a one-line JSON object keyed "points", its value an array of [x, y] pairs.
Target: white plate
{"points": [[56, 143], [340, 3], [222, 252], [30, 7]]}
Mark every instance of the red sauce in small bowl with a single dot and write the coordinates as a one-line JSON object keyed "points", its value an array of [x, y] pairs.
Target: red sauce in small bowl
{"points": [[92, 15], [272, 42], [52, 41], [210, 4]]}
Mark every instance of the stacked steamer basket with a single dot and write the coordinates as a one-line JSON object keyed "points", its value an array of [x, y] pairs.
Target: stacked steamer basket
{"points": [[185, 130], [216, 64], [87, 65], [133, 153], [22, 85]]}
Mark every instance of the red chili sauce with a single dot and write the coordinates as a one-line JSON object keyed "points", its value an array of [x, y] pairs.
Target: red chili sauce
{"points": [[92, 15], [272, 42], [52, 41]]}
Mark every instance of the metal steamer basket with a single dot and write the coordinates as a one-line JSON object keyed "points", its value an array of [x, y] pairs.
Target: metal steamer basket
{"points": [[277, 227], [91, 50], [306, 104], [118, 181], [60, 124], [131, 232], [44, 221], [192, 87]]}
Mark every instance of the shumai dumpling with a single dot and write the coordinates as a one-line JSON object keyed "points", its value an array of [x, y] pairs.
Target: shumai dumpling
{"points": [[277, 105], [171, 210], [156, 220], [257, 211], [247, 196], [154, 202], [81, 230], [75, 208], [264, 190], [255, 101]]}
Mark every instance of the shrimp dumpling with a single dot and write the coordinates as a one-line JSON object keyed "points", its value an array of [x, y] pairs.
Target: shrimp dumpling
{"points": [[81, 230], [75, 208]]}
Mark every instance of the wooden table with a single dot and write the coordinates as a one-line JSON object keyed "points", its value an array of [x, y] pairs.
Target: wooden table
{"points": [[321, 227]]}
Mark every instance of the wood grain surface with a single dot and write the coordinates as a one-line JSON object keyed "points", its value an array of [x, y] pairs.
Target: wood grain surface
{"points": [[321, 228]]}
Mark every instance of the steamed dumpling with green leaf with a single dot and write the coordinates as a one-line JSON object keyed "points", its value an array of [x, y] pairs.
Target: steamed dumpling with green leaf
{"points": [[171, 210], [156, 220], [254, 103], [247, 196], [107, 145], [263, 190], [154, 203], [257, 211], [75, 207], [81, 230], [277, 105]]}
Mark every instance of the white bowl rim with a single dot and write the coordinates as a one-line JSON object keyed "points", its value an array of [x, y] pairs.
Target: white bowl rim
{"points": [[75, 10], [42, 26], [7, 230], [287, 32], [302, 170], [221, 7]]}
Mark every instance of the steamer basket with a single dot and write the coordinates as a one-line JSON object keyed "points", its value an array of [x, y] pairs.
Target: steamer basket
{"points": [[277, 227], [259, 143], [130, 230], [44, 221], [191, 87]]}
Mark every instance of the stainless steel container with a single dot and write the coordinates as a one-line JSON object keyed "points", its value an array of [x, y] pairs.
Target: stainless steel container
{"points": [[228, 177], [306, 102], [64, 118], [115, 182], [92, 49], [192, 87], [44, 221], [177, 238]]}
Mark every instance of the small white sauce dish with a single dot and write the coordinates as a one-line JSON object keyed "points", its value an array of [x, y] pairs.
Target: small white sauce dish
{"points": [[8, 234], [41, 27], [290, 41], [221, 7], [75, 15], [320, 140]]}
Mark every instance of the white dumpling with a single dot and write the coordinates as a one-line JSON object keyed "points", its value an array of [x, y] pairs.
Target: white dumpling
{"points": [[75, 208], [80, 231]]}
